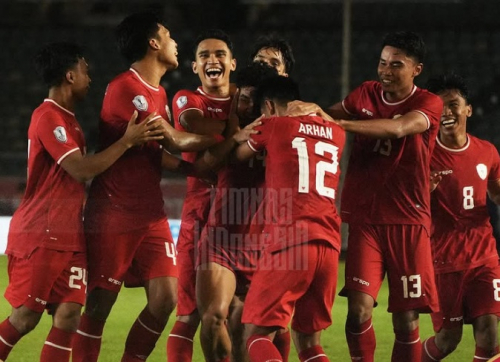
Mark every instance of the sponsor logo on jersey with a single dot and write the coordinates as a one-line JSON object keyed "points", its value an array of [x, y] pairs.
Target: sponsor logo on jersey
{"points": [[216, 110], [140, 103], [482, 171], [370, 113], [181, 101], [60, 134]]}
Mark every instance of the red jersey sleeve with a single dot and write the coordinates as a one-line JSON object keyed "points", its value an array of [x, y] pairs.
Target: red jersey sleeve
{"points": [[258, 142], [53, 134], [349, 102], [430, 107], [185, 100], [495, 166]]}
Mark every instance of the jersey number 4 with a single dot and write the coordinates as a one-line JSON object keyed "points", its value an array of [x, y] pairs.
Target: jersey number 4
{"points": [[322, 167]]}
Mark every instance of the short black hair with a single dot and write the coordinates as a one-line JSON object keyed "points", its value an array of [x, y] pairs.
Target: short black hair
{"points": [[273, 40], [253, 74], [55, 59], [213, 34], [410, 42], [278, 88], [134, 32], [444, 82]]}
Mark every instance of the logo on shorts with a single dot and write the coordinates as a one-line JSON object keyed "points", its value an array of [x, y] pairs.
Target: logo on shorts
{"points": [[140, 103], [41, 301], [60, 134], [114, 281], [181, 101], [482, 171], [456, 319], [360, 281]]}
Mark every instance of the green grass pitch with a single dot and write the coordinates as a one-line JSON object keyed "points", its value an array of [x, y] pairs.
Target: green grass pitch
{"points": [[131, 301]]}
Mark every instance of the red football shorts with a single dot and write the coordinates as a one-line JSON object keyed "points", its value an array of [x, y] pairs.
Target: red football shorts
{"points": [[241, 262], [47, 277], [401, 251], [466, 295], [134, 256], [299, 281]]}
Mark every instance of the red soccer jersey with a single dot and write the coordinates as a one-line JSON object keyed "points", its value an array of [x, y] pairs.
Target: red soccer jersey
{"points": [[387, 180], [50, 213], [236, 213], [462, 236], [197, 200], [302, 175], [131, 186]]}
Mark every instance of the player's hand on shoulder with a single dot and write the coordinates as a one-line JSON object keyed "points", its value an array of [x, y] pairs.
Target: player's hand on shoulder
{"points": [[436, 177], [151, 129], [245, 134], [300, 108]]}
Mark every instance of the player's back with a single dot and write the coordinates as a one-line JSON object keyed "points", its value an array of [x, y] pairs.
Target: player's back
{"points": [[302, 174]]}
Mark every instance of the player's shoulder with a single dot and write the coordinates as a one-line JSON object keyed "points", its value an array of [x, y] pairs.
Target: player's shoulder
{"points": [[480, 143], [424, 94]]}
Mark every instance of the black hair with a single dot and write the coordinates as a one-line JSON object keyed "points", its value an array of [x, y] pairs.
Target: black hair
{"points": [[279, 89], [411, 43], [55, 59], [444, 82], [253, 74], [274, 41], [213, 34], [134, 32]]}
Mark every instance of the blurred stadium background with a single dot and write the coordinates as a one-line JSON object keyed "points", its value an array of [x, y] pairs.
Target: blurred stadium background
{"points": [[461, 35]]}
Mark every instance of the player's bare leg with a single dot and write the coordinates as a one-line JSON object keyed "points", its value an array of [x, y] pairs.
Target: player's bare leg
{"points": [[309, 346], [236, 329], [215, 287], [162, 298], [442, 344], [486, 335], [359, 330], [24, 319], [407, 344]]}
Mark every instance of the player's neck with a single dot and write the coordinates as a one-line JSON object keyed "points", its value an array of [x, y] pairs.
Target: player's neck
{"points": [[63, 97], [217, 92], [150, 71], [399, 95], [455, 141]]}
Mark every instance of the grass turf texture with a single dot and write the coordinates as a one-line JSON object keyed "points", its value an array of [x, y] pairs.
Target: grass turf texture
{"points": [[131, 302]]}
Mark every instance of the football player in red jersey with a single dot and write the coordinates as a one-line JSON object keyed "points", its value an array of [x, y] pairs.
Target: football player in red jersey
{"points": [[228, 251], [385, 199], [127, 231], [296, 276], [465, 171], [203, 111], [46, 246]]}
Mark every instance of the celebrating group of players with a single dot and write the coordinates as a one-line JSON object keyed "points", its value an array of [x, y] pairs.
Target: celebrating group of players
{"points": [[260, 235]]}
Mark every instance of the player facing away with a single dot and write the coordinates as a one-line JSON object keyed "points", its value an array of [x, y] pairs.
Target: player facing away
{"points": [[46, 246], [203, 111], [296, 275], [465, 171], [127, 231], [274, 51], [227, 254], [386, 199]]}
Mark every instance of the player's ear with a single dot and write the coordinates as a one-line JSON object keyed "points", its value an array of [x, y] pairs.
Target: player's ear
{"points": [[233, 64], [70, 76], [270, 107], [153, 43], [418, 69], [194, 67], [468, 112]]}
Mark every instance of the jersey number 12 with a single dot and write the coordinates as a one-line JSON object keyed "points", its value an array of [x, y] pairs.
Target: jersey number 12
{"points": [[322, 167]]}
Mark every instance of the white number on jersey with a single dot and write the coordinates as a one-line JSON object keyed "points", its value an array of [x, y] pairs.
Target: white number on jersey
{"points": [[171, 251], [468, 194], [78, 278], [496, 289], [383, 148], [414, 283], [322, 167]]}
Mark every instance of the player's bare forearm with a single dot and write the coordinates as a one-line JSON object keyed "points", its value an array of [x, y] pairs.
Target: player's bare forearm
{"points": [[387, 128], [494, 191], [216, 156], [194, 122]]}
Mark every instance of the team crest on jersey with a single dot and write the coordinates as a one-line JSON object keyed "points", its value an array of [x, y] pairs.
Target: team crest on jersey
{"points": [[169, 115], [140, 103], [60, 134], [482, 171], [181, 101]]}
